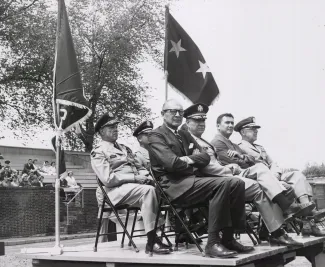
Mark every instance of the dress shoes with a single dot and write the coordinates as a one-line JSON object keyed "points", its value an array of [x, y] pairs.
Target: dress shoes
{"points": [[219, 251], [298, 210], [317, 215], [163, 245], [157, 249], [236, 246], [284, 240], [310, 228]]}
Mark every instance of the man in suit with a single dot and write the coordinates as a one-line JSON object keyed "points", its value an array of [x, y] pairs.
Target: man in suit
{"points": [[228, 152], [175, 156], [141, 133], [29, 167], [271, 213], [125, 182], [248, 129]]}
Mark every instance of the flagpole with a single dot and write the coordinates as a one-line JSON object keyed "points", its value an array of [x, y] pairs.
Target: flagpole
{"points": [[166, 51]]}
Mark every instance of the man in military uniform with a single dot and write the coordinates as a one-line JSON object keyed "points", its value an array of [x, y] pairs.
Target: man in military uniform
{"points": [[125, 182], [228, 152], [248, 129], [271, 213], [175, 156], [141, 133]]}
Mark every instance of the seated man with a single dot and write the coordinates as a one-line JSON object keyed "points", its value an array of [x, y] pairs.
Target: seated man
{"points": [[174, 157], [125, 182], [302, 189], [228, 152], [271, 213], [7, 173], [141, 133], [28, 167]]}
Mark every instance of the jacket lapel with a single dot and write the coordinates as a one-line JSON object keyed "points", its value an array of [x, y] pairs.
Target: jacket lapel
{"points": [[172, 137]]}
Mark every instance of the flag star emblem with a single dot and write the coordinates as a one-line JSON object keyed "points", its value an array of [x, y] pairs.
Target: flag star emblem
{"points": [[204, 68], [177, 47]]}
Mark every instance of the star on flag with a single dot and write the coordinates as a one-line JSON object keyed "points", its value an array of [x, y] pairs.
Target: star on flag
{"points": [[177, 47], [204, 68]]}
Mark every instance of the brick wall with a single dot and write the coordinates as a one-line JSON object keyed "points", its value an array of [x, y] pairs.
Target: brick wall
{"points": [[26, 211]]}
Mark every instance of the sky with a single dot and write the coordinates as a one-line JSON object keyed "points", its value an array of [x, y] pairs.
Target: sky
{"points": [[268, 60]]}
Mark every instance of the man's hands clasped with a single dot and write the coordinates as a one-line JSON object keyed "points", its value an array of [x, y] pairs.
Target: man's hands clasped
{"points": [[143, 179]]}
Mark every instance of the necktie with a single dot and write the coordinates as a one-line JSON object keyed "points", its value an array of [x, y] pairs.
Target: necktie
{"points": [[178, 136], [116, 146]]}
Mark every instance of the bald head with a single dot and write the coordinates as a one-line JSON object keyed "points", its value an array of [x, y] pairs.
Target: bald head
{"points": [[172, 104], [172, 112]]}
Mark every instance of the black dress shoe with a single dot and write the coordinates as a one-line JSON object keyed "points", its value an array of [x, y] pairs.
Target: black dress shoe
{"points": [[236, 246], [219, 251], [284, 240], [310, 228], [163, 245], [157, 249], [298, 210], [317, 215]]}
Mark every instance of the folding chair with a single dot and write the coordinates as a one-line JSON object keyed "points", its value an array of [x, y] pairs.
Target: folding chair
{"points": [[114, 209], [172, 208]]}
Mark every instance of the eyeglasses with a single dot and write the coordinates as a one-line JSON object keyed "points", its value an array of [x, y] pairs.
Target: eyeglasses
{"points": [[174, 111]]}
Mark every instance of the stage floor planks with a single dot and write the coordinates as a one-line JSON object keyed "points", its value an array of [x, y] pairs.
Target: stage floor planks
{"points": [[112, 253]]}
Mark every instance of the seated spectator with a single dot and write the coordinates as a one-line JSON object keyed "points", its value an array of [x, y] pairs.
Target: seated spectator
{"points": [[7, 171], [34, 180], [28, 167], [24, 180], [71, 181], [15, 181], [46, 169], [52, 169]]}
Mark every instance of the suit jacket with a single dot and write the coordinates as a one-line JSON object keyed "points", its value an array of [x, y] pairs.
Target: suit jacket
{"points": [[116, 168], [28, 167], [222, 145], [214, 168], [260, 155], [165, 150]]}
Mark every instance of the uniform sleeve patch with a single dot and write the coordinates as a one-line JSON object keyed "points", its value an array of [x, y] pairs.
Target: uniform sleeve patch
{"points": [[93, 154]]}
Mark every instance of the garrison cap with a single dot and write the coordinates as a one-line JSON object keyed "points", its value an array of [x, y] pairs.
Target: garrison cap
{"points": [[246, 123], [196, 111], [146, 126], [104, 120]]}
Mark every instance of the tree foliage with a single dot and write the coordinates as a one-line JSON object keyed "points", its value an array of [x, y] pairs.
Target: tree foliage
{"points": [[111, 38]]}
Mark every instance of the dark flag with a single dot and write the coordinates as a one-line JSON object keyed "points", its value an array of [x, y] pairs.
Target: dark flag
{"points": [[62, 167], [187, 70], [68, 91]]}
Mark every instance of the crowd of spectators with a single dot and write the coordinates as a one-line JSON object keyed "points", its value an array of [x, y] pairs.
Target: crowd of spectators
{"points": [[32, 175]]}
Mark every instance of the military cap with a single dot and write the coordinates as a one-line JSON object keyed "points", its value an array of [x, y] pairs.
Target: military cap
{"points": [[246, 123], [146, 126], [104, 120], [196, 111], [7, 161]]}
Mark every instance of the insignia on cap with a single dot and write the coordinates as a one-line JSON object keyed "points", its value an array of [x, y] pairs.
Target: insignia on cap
{"points": [[253, 119], [148, 123], [110, 114], [200, 108]]}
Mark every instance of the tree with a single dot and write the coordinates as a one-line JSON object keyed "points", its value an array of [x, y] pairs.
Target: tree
{"points": [[111, 38]]}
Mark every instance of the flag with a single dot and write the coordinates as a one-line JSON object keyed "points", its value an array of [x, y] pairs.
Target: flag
{"points": [[62, 167], [187, 69], [68, 91]]}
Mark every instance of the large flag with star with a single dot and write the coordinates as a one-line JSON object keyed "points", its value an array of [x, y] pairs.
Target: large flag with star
{"points": [[67, 91], [187, 69]]}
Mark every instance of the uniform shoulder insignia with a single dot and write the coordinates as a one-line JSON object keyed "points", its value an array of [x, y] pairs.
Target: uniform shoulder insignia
{"points": [[93, 153]]}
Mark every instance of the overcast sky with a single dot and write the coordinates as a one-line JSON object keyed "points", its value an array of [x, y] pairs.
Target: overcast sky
{"points": [[268, 59]]}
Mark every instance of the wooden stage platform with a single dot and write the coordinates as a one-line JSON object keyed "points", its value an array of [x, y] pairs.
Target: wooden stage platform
{"points": [[110, 255]]}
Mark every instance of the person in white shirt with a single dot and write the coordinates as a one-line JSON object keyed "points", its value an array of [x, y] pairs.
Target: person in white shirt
{"points": [[71, 181]]}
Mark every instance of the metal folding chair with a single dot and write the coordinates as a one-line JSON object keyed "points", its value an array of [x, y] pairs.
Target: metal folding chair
{"points": [[114, 209], [165, 202]]}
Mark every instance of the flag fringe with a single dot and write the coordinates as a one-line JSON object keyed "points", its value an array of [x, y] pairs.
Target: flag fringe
{"points": [[81, 120]]}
